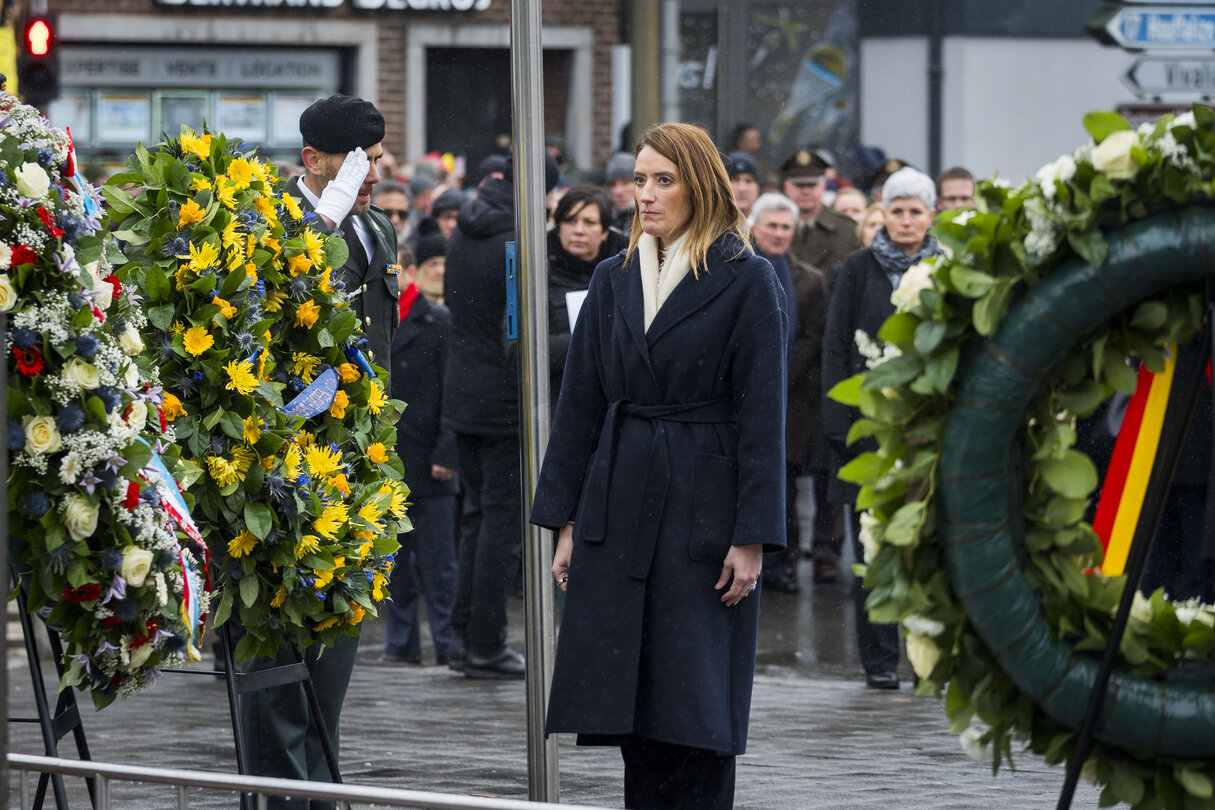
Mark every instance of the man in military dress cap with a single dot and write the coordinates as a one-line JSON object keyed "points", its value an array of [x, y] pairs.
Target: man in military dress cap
{"points": [[823, 236], [341, 152]]}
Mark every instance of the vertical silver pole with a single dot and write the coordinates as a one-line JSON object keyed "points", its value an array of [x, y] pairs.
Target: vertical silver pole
{"points": [[527, 97], [4, 561]]}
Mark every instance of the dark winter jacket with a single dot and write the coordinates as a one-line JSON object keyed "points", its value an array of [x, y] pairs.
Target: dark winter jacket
{"points": [[667, 448], [802, 420], [481, 387]]}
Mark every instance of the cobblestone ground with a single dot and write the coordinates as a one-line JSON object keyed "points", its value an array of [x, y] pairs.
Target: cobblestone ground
{"points": [[819, 738]]}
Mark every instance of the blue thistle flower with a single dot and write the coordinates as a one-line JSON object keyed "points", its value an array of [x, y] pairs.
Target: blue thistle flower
{"points": [[45, 157], [174, 644], [70, 419], [59, 558], [253, 314], [164, 347], [36, 503], [126, 609], [279, 375], [108, 396], [178, 247], [298, 288], [16, 437], [149, 496], [168, 557], [271, 622], [118, 325], [276, 485], [86, 346], [191, 167], [24, 338], [76, 300], [217, 446], [112, 559], [245, 342]]}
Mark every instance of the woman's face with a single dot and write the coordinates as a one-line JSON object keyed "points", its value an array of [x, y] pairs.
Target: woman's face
{"points": [[874, 221], [907, 221], [582, 232], [430, 276], [661, 198]]}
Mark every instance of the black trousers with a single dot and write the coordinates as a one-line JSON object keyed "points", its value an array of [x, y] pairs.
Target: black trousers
{"points": [[490, 539], [878, 644], [664, 776]]}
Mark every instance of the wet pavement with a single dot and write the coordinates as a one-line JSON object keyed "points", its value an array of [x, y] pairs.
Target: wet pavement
{"points": [[819, 738]]}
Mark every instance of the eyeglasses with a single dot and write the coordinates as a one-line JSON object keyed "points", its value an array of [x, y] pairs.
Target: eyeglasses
{"points": [[960, 200]]}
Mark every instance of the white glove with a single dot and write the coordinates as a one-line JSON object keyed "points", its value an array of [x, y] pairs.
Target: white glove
{"points": [[339, 195]]}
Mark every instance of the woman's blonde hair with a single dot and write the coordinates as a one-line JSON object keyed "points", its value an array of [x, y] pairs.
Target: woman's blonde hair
{"points": [[706, 186]]}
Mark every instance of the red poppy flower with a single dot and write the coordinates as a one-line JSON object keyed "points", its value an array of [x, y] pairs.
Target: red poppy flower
{"points": [[132, 499], [51, 228], [97, 314], [116, 284], [23, 254], [110, 621], [29, 361], [140, 639], [85, 593]]}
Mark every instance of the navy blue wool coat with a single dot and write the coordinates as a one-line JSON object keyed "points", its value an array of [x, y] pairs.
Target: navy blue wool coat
{"points": [[667, 447]]}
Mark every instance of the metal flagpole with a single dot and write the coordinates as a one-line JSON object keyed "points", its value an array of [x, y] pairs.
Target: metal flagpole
{"points": [[527, 101]]}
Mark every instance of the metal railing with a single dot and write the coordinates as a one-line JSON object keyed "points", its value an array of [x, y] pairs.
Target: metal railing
{"points": [[261, 786]]}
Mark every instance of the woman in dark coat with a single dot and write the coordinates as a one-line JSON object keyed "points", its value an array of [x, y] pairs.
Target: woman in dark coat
{"points": [[581, 240], [861, 287], [665, 479]]}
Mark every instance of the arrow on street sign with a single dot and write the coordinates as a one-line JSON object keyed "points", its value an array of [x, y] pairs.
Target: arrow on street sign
{"points": [[1157, 27], [1153, 74]]}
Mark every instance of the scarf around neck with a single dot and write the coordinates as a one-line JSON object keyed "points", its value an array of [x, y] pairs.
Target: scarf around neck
{"points": [[891, 258], [657, 286]]}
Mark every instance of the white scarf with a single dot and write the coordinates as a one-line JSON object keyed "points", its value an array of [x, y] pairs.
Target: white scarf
{"points": [[656, 287]]}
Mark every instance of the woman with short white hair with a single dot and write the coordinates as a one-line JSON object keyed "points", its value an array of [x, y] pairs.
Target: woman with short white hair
{"points": [[860, 300]]}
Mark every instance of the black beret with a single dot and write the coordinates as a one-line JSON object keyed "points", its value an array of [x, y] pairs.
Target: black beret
{"points": [[740, 162], [340, 124]]}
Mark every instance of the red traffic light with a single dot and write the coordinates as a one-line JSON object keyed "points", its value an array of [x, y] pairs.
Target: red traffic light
{"points": [[38, 38]]}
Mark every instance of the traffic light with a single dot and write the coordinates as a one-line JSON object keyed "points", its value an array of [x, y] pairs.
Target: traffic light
{"points": [[38, 62]]}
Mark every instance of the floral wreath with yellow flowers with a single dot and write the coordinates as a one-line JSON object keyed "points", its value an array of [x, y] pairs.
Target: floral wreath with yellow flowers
{"points": [[99, 536], [286, 432], [1028, 324]]}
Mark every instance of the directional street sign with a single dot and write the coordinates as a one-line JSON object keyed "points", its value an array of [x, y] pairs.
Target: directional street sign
{"points": [[1175, 27], [1171, 74]]}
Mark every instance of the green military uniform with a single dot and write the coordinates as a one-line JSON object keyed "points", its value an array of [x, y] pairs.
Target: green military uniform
{"points": [[826, 241]]}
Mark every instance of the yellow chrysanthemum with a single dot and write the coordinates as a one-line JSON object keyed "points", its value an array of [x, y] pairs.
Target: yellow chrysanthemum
{"points": [[250, 245], [197, 340], [349, 372], [251, 271], [370, 512], [242, 544], [332, 518], [325, 576], [260, 170], [229, 236], [367, 546], [324, 284], [338, 409], [197, 145], [377, 453], [376, 399], [223, 471], [396, 506], [293, 207], [308, 544], [274, 301], [171, 407], [267, 463], [322, 461], [378, 581], [190, 213], [280, 596], [314, 246], [265, 207], [225, 308], [304, 439], [243, 458], [297, 265], [240, 377], [303, 365], [252, 431], [340, 483], [327, 623], [198, 183], [355, 614], [291, 461], [270, 242], [177, 328], [225, 192], [203, 256], [307, 314], [241, 172]]}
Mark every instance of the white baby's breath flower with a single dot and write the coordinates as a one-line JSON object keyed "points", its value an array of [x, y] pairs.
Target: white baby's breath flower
{"points": [[869, 543], [1060, 171], [923, 625]]}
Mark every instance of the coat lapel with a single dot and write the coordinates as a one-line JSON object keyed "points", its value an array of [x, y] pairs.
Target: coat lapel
{"points": [[409, 329], [691, 294]]}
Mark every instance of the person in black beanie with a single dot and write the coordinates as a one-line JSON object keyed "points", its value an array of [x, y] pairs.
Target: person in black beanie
{"points": [[342, 148], [430, 252], [481, 404]]}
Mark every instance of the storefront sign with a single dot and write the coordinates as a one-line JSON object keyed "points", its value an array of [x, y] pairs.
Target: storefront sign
{"points": [[210, 67], [366, 5]]}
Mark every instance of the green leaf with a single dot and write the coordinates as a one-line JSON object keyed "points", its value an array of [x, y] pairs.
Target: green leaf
{"points": [[860, 429], [1090, 244], [336, 252], [904, 524], [325, 340], [232, 284], [1101, 124], [1150, 315], [893, 372], [1072, 476], [991, 308], [258, 519], [970, 283], [162, 316], [864, 467], [1127, 786], [898, 328], [249, 590], [928, 336], [232, 425], [941, 368], [1194, 781], [846, 392]]}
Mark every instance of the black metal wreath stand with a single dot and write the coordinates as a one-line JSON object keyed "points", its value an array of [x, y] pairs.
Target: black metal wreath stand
{"points": [[1160, 481]]}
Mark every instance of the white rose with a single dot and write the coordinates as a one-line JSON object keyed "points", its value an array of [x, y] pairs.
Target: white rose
{"points": [[6, 256], [1060, 171], [137, 415], [84, 375], [972, 744], [1113, 158], [140, 656], [923, 625], [131, 375], [8, 296], [136, 563], [1186, 119], [1141, 609], [94, 270], [917, 279], [923, 653], [868, 542], [130, 341], [32, 181], [79, 516], [41, 435]]}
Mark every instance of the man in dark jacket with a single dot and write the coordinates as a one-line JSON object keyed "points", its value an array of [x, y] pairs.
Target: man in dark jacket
{"points": [[481, 405]]}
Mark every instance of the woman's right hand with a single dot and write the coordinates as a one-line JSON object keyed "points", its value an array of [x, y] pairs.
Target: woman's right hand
{"points": [[561, 559]]}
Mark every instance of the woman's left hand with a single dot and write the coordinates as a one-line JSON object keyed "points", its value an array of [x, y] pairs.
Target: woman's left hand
{"points": [[743, 564]]}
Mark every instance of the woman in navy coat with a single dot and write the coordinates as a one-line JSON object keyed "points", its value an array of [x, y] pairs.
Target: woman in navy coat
{"points": [[664, 477]]}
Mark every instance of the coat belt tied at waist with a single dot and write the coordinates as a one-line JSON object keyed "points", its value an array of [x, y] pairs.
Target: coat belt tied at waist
{"points": [[647, 493]]}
